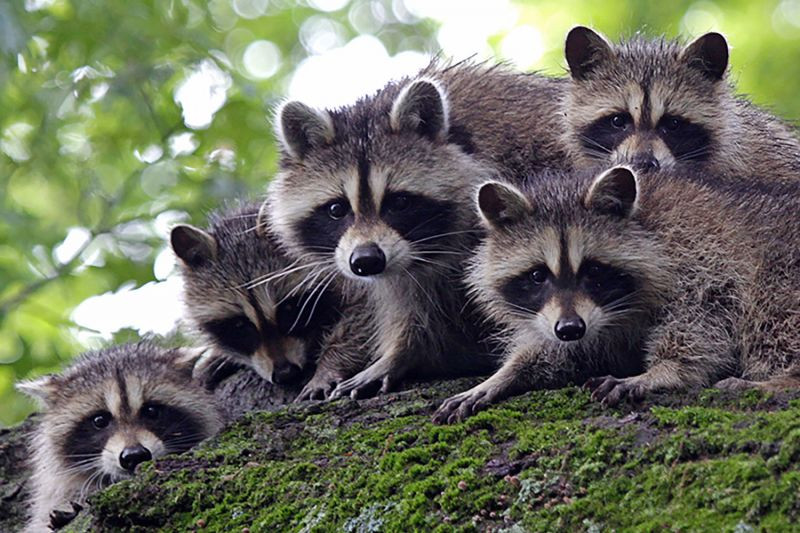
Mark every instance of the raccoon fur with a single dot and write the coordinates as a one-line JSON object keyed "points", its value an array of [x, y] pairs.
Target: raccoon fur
{"points": [[257, 308], [104, 415], [653, 103], [381, 190], [659, 283]]}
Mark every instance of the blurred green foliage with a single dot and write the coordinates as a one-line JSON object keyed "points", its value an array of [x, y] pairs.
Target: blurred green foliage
{"points": [[86, 85]]}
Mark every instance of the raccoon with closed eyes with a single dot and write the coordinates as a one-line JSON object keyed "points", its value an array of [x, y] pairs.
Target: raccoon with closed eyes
{"points": [[637, 285], [380, 192], [653, 103], [257, 308], [107, 413]]}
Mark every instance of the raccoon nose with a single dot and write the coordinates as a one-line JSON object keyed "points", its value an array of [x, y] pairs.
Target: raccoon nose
{"points": [[570, 329], [133, 456], [285, 373], [645, 162], [367, 260]]}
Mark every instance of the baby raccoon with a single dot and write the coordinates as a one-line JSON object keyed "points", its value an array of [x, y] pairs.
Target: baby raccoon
{"points": [[257, 308], [689, 282], [380, 191], [108, 412], [655, 104]]}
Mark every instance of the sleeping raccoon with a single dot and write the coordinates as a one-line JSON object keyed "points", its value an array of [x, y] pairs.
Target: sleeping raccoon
{"points": [[655, 104], [104, 415], [685, 281], [257, 308], [381, 192]]}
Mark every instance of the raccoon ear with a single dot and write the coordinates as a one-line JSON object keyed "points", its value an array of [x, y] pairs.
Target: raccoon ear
{"points": [[501, 204], [301, 128], [185, 359], [585, 49], [40, 389], [194, 246], [615, 192], [421, 107], [709, 54]]}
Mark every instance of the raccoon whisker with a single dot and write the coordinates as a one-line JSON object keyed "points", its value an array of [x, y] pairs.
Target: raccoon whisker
{"points": [[596, 146], [319, 290], [319, 296], [280, 274], [444, 266], [434, 217], [447, 234], [434, 305], [309, 280]]}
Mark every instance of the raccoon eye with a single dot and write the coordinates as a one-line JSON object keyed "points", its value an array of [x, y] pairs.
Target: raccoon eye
{"points": [[399, 202], [150, 411], [620, 120], [101, 420], [337, 210], [539, 275], [671, 124]]}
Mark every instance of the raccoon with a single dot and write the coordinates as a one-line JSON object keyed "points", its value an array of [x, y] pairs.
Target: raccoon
{"points": [[655, 104], [637, 285], [380, 191], [257, 308], [104, 415]]}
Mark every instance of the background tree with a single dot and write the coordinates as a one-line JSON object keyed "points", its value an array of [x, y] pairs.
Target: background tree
{"points": [[119, 118]]}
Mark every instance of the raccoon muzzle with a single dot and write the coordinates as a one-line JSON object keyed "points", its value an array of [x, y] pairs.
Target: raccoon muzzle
{"points": [[367, 260]]}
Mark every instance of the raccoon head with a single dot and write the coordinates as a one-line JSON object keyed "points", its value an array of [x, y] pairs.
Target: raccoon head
{"points": [[254, 306], [647, 103], [565, 264], [373, 189], [119, 407]]}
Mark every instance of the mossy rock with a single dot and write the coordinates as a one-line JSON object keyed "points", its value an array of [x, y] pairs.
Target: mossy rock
{"points": [[545, 461]]}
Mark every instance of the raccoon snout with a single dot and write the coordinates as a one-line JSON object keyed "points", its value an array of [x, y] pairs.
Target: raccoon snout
{"points": [[570, 329], [367, 260], [645, 162], [285, 373], [132, 456]]}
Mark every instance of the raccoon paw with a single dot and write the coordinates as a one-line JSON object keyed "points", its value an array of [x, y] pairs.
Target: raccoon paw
{"points": [[59, 519], [610, 391], [319, 388], [462, 406], [366, 383]]}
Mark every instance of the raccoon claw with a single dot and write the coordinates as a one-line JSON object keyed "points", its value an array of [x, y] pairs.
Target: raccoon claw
{"points": [[319, 388], [59, 519], [462, 406], [610, 391], [364, 384]]}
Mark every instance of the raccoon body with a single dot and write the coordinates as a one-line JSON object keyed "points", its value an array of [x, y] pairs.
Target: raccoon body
{"points": [[641, 284], [255, 307], [381, 192], [104, 415], [652, 104]]}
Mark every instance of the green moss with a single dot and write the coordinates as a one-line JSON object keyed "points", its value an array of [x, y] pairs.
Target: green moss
{"points": [[544, 461]]}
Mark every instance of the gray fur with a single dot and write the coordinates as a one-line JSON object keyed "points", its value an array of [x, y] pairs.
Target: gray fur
{"points": [[689, 82], [718, 293], [91, 385]]}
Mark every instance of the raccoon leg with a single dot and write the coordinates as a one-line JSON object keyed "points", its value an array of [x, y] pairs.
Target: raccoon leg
{"points": [[344, 352], [783, 382]]}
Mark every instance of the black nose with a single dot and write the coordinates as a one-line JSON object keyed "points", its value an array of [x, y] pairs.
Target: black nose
{"points": [[645, 162], [570, 329], [132, 456], [285, 373], [367, 260]]}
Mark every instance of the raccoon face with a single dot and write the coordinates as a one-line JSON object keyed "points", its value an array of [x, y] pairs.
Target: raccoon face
{"points": [[649, 104], [568, 269], [255, 306], [120, 407], [373, 190]]}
